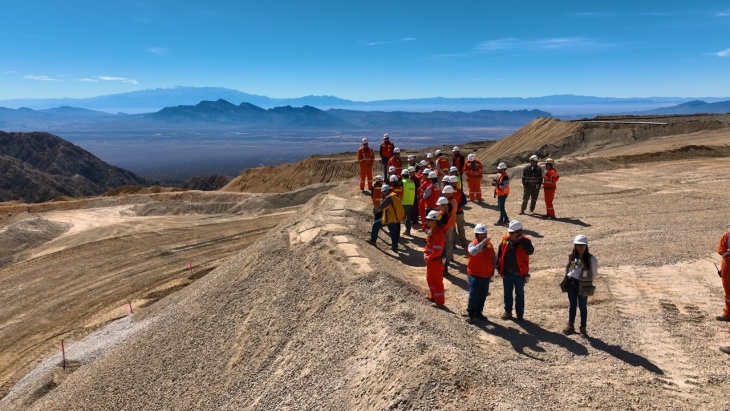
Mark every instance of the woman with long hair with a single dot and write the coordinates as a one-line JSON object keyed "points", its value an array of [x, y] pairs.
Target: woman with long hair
{"points": [[580, 271]]}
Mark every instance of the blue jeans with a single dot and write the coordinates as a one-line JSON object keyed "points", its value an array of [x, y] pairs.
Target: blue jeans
{"points": [[394, 229], [478, 290], [513, 282], [501, 202], [575, 300], [409, 216]]}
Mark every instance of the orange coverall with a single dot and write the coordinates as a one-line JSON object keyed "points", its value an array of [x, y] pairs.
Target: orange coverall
{"points": [[434, 268], [724, 250], [366, 158], [549, 185], [474, 175]]}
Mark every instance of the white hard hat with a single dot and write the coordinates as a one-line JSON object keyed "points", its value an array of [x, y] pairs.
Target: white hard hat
{"points": [[445, 179], [472, 157], [396, 150], [364, 140], [432, 215], [429, 155], [423, 163], [391, 169], [448, 190], [514, 225], [480, 229], [438, 152], [385, 187], [549, 161], [455, 149], [580, 239], [454, 169], [394, 178], [502, 166], [411, 169], [453, 179], [378, 178], [427, 171], [386, 136], [405, 172], [533, 157], [433, 175], [411, 157], [442, 201]]}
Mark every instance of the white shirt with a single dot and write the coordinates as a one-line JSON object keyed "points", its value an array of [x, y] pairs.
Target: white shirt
{"points": [[576, 270]]}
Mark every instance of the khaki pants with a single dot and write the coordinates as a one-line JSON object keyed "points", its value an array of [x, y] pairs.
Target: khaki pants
{"points": [[460, 229]]}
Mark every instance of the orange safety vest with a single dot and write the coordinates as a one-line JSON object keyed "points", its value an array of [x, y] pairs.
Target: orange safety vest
{"points": [[523, 260], [502, 191], [375, 195], [458, 162], [724, 250], [366, 156], [397, 163], [452, 214], [550, 180], [482, 263], [457, 197], [398, 190], [435, 194], [386, 149], [443, 162]]}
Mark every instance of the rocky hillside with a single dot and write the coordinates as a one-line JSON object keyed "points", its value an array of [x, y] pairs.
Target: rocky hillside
{"points": [[37, 167], [207, 183]]}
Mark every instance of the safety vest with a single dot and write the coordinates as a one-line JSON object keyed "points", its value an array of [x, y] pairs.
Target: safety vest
{"points": [[503, 191], [435, 194], [457, 196], [434, 245], [458, 162], [366, 156], [724, 250], [375, 195], [482, 263], [397, 163], [443, 163], [523, 260], [452, 213], [551, 178], [473, 169], [386, 149], [393, 213], [398, 190], [409, 192]]}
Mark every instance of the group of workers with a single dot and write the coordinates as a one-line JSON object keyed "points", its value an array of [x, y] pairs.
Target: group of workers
{"points": [[429, 192]]}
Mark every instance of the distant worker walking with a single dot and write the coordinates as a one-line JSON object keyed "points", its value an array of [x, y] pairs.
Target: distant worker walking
{"points": [[582, 268], [514, 267], [532, 177], [474, 174], [724, 250], [480, 266], [550, 185], [432, 256], [386, 152], [501, 191], [366, 158]]}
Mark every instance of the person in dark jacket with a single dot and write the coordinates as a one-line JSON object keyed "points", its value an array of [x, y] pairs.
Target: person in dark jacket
{"points": [[513, 259], [532, 177]]}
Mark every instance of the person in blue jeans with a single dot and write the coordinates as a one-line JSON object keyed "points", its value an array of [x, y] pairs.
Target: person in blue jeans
{"points": [[513, 259], [501, 191], [390, 207], [581, 270]]}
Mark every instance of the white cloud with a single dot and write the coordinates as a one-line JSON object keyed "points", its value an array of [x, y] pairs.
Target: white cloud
{"points": [[88, 79], [409, 39], [41, 78], [725, 13], [376, 43], [9, 72], [549, 44], [122, 79], [724, 53], [160, 51]]}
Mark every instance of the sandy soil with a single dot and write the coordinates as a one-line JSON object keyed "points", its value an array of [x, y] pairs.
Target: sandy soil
{"points": [[310, 316]]}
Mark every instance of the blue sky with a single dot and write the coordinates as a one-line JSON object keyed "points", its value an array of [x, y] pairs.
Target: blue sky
{"points": [[367, 50]]}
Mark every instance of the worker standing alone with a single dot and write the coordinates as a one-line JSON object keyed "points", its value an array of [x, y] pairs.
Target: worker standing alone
{"points": [[532, 177], [549, 185], [501, 191], [366, 158], [481, 262], [432, 256], [474, 175]]}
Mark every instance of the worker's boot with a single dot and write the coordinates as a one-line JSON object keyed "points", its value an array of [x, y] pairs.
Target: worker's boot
{"points": [[583, 331], [723, 318], [570, 329], [507, 315], [726, 350]]}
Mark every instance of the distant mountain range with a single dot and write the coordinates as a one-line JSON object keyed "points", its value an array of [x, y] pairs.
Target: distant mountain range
{"points": [[38, 167], [693, 107], [152, 100], [223, 114]]}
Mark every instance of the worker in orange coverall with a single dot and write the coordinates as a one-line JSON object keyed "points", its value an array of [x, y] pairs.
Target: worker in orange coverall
{"points": [[724, 250], [366, 158], [474, 174], [432, 252], [549, 185]]}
